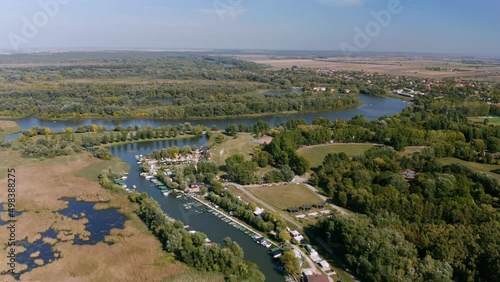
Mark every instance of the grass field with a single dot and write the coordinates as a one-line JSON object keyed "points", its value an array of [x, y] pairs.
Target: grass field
{"points": [[491, 120], [412, 149], [238, 192], [243, 144], [8, 128], [486, 168], [286, 196], [316, 154]]}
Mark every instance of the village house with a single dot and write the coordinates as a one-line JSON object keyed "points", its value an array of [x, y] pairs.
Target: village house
{"points": [[316, 278], [318, 89], [295, 235], [409, 174]]}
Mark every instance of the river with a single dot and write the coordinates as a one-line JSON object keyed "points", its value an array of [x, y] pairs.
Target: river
{"points": [[372, 108]]}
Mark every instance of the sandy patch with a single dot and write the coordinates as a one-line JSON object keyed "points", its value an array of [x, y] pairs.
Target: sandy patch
{"points": [[7, 124]]}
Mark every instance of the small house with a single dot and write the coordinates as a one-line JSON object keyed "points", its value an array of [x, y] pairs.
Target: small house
{"points": [[306, 207], [296, 235], [258, 211], [292, 210], [409, 174], [319, 206], [324, 264], [198, 185], [316, 278]]}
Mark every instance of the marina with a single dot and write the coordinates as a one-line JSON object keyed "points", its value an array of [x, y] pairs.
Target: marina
{"points": [[205, 207]]}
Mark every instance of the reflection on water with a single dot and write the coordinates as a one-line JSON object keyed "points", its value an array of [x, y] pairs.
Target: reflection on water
{"points": [[100, 221]]}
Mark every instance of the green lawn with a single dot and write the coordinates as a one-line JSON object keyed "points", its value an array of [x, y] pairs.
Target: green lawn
{"points": [[316, 154], [491, 120], [286, 196], [486, 168]]}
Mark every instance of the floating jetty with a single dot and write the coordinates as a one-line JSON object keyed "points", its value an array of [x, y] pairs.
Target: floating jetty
{"points": [[226, 218]]}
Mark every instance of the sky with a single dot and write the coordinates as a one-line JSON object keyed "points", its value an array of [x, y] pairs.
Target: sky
{"points": [[449, 26]]}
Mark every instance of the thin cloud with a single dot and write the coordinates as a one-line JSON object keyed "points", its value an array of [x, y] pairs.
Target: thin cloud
{"points": [[225, 11], [334, 3]]}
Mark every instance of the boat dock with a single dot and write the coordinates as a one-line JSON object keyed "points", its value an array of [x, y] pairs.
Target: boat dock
{"points": [[236, 224]]}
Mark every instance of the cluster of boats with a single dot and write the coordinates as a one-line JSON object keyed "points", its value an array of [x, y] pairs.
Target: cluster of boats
{"points": [[262, 241], [158, 184]]}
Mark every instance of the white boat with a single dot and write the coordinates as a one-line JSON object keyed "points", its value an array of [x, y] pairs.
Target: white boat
{"points": [[133, 186], [266, 243], [178, 196], [166, 193], [124, 177]]}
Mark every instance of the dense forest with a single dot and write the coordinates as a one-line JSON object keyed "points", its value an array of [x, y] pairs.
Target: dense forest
{"points": [[161, 88], [438, 222]]}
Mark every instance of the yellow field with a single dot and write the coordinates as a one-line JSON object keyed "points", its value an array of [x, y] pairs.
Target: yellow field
{"points": [[394, 65]]}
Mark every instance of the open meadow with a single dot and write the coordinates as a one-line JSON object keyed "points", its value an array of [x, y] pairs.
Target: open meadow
{"points": [[316, 154], [286, 196], [491, 120], [244, 144], [486, 168]]}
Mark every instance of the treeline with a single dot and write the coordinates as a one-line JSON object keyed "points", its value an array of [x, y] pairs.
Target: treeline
{"points": [[142, 66], [441, 213], [283, 148], [167, 101], [67, 142], [378, 252], [48, 146], [191, 248], [442, 125]]}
